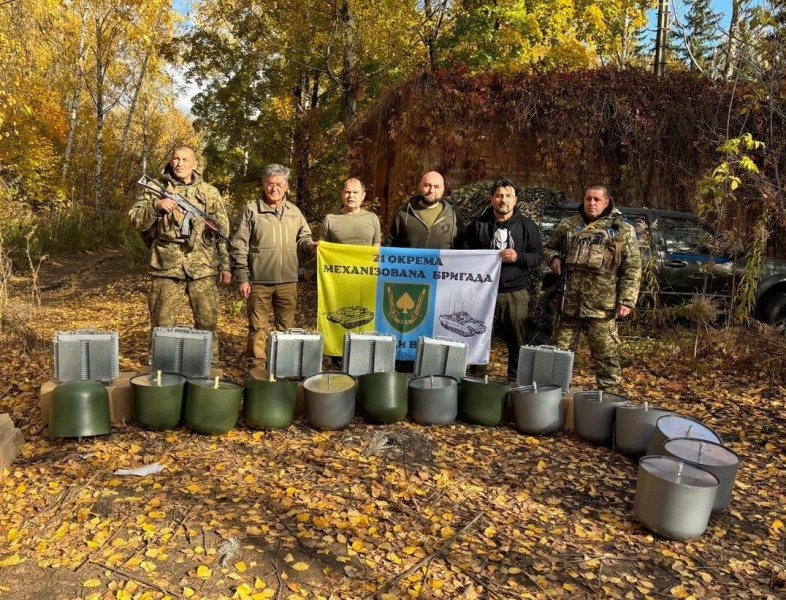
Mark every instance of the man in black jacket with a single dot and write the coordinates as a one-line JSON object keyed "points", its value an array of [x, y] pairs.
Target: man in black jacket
{"points": [[502, 226]]}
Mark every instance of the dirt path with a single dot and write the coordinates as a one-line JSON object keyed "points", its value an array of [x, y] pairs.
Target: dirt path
{"points": [[394, 511]]}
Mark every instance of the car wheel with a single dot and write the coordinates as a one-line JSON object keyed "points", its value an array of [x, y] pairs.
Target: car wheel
{"points": [[773, 311]]}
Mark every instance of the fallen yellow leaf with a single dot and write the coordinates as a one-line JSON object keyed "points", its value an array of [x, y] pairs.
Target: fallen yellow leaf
{"points": [[11, 560], [240, 566], [300, 566], [90, 583], [204, 572]]}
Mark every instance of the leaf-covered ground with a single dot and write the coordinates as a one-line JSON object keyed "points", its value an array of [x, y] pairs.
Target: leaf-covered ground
{"points": [[373, 511]]}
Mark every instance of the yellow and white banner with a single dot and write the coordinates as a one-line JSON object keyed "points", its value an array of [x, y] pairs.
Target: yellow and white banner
{"points": [[407, 292]]}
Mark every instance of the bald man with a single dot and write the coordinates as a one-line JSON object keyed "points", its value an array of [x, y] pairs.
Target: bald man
{"points": [[352, 224], [426, 220]]}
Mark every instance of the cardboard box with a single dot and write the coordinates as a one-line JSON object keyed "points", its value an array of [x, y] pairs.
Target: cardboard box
{"points": [[11, 442], [120, 397], [259, 373], [45, 401], [567, 406]]}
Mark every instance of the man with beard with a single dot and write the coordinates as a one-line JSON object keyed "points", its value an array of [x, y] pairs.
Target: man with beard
{"points": [[181, 264], [503, 227], [603, 260], [426, 220]]}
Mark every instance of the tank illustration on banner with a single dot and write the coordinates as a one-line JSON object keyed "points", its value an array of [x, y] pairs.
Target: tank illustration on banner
{"points": [[350, 317], [462, 323]]}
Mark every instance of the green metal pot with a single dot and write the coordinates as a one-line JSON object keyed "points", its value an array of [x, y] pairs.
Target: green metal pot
{"points": [[157, 399], [482, 401], [79, 408], [383, 396], [212, 405], [269, 404]]}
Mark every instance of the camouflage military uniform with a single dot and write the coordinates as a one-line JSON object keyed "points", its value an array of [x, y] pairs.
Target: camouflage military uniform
{"points": [[180, 264], [604, 270]]}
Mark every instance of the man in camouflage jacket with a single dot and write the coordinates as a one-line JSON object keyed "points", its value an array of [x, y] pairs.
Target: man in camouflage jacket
{"points": [[602, 257], [180, 264]]}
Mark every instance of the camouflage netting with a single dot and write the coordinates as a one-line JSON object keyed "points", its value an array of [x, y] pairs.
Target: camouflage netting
{"points": [[472, 199]]}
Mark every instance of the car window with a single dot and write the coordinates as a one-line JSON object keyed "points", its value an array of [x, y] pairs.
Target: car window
{"points": [[685, 236], [549, 222], [642, 229]]}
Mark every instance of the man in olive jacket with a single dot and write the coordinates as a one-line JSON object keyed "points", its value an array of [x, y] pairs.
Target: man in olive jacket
{"points": [[426, 220], [264, 256], [601, 253], [184, 264]]}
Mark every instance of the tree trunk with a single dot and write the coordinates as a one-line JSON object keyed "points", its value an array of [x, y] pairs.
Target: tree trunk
{"points": [[306, 96], [132, 106], [72, 121], [731, 45], [349, 68], [100, 114]]}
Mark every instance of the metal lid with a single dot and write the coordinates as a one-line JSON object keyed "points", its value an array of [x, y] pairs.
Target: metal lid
{"points": [[214, 382], [678, 471], [482, 381], [600, 396], [701, 452], [677, 426], [646, 407], [329, 382], [432, 382], [158, 379], [530, 389]]}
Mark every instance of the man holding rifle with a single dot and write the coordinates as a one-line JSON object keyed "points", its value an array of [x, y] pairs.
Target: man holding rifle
{"points": [[601, 253], [185, 224]]}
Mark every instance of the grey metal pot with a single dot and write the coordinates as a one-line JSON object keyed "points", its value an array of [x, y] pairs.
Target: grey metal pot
{"points": [[717, 459], [157, 399], [383, 396], [633, 428], [538, 409], [481, 401], [674, 498], [212, 404], [594, 414], [79, 408], [330, 400], [433, 399], [676, 426]]}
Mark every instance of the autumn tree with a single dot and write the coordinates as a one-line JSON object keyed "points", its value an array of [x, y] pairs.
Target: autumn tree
{"points": [[285, 85]]}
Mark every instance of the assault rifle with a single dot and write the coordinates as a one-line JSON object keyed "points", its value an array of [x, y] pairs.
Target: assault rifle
{"points": [[563, 280], [189, 211]]}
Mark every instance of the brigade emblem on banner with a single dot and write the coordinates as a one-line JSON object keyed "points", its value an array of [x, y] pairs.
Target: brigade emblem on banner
{"points": [[405, 305]]}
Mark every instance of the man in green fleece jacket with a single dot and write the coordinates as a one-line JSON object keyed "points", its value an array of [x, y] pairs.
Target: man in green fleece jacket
{"points": [[264, 256]]}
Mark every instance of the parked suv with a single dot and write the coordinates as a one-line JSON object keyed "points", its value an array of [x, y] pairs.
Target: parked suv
{"points": [[681, 245]]}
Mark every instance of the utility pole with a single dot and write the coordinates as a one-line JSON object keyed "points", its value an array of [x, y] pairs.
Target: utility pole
{"points": [[661, 39]]}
